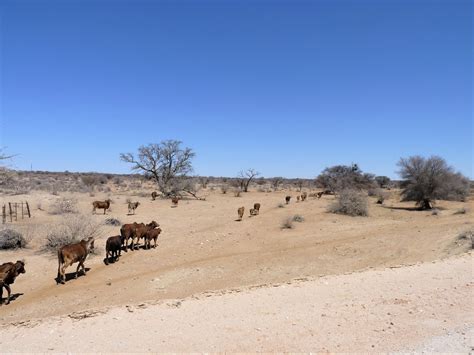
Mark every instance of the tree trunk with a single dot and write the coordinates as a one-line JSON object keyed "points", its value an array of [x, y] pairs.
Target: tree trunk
{"points": [[426, 204]]}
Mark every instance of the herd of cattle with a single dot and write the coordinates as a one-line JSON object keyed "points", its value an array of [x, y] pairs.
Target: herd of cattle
{"points": [[130, 236]]}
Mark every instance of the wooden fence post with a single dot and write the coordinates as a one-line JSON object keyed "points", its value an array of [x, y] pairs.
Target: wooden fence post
{"points": [[28, 209]]}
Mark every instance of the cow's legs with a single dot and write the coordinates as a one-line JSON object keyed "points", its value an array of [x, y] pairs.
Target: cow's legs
{"points": [[1, 294], [7, 287], [155, 242], [63, 273]]}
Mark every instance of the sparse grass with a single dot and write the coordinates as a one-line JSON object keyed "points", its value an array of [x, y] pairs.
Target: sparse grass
{"points": [[11, 239], [350, 203], [71, 229], [287, 223], [64, 206], [467, 236], [281, 205], [298, 218]]}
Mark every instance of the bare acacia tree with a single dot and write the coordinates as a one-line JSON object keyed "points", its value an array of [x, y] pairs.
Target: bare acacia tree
{"points": [[428, 179], [276, 182], [7, 176], [246, 177], [166, 163]]}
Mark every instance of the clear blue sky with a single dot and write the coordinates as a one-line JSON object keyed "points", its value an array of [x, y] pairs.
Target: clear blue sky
{"points": [[285, 87]]}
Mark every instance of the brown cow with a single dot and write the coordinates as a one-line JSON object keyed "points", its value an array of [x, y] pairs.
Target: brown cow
{"points": [[113, 248], [132, 206], [154, 195], [73, 253], [8, 274], [175, 201], [256, 206], [141, 230], [151, 234], [287, 199], [298, 198], [101, 204], [241, 212], [127, 232]]}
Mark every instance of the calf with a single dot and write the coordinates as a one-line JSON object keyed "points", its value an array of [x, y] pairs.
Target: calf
{"points": [[8, 274], [256, 206], [142, 230], [287, 199], [73, 253], [132, 206], [154, 195], [151, 234], [240, 212], [253, 212], [113, 248], [101, 204]]}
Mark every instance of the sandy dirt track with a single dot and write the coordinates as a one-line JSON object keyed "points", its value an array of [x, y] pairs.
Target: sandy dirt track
{"points": [[422, 307]]}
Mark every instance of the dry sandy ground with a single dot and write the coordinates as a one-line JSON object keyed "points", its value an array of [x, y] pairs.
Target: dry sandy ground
{"points": [[425, 307], [203, 248]]}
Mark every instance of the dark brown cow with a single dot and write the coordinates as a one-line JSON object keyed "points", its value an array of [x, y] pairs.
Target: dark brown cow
{"points": [[241, 212], [287, 199], [113, 248], [154, 195], [151, 234], [8, 274], [175, 201], [101, 204], [132, 206], [256, 206], [73, 253]]}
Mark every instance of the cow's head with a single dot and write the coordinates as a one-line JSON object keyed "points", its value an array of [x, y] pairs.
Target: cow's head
{"points": [[153, 224], [90, 244], [20, 266]]}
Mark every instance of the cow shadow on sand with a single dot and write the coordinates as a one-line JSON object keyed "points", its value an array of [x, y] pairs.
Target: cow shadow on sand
{"points": [[13, 297], [72, 275]]}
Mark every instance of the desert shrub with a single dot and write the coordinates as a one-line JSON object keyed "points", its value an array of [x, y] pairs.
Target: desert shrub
{"points": [[462, 210], [281, 205], [379, 193], [467, 236], [382, 181], [287, 223], [64, 205], [351, 203], [11, 239], [224, 189], [71, 229], [90, 180], [342, 177], [112, 222], [428, 179], [298, 218], [435, 212], [237, 193]]}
